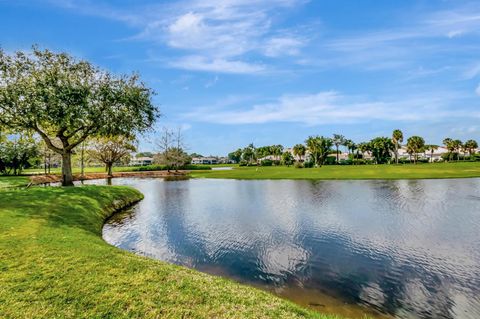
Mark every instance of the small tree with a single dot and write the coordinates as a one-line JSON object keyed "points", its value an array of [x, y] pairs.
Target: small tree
{"points": [[471, 146], [65, 101], [172, 153], [299, 150], [397, 139], [338, 140], [287, 158], [110, 150]]}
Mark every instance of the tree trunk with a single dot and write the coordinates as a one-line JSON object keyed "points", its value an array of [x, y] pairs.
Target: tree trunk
{"points": [[67, 176], [396, 153], [109, 169], [337, 153]]}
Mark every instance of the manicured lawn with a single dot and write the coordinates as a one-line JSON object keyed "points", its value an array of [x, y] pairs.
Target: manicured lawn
{"points": [[54, 264], [13, 181], [408, 171]]}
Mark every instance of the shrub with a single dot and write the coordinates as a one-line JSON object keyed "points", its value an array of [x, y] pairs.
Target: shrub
{"points": [[243, 163], [308, 164], [298, 165], [189, 167], [266, 162]]}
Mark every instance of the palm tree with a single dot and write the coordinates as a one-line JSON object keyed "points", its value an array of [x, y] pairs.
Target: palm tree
{"points": [[449, 146], [299, 150], [365, 147], [415, 145], [319, 148], [471, 146], [338, 140], [381, 148], [397, 139], [432, 148]]}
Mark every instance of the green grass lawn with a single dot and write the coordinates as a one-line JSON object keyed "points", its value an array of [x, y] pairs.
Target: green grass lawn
{"points": [[407, 171], [99, 169], [13, 181], [54, 264]]}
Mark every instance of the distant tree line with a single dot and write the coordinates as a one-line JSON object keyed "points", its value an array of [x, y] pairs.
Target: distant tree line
{"points": [[321, 150]]}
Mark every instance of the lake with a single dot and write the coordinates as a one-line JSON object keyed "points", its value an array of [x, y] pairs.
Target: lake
{"points": [[389, 249]]}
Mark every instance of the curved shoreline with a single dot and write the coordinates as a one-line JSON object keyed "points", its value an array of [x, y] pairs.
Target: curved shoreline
{"points": [[58, 265]]}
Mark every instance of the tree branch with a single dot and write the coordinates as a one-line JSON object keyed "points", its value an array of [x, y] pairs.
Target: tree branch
{"points": [[47, 140]]}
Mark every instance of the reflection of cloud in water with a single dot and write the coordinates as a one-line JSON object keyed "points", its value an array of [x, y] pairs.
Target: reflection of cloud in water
{"points": [[410, 248]]}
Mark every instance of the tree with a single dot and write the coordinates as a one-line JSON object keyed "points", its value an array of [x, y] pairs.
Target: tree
{"points": [[235, 156], [65, 101], [338, 140], [381, 148], [276, 150], [449, 146], [110, 150], [249, 154], [172, 153], [299, 150], [471, 146], [319, 148], [415, 145], [365, 147], [432, 148], [397, 139], [16, 152], [287, 158]]}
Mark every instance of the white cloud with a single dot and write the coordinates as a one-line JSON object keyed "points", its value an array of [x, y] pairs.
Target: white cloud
{"points": [[200, 63], [282, 46], [331, 107], [220, 32], [478, 90]]}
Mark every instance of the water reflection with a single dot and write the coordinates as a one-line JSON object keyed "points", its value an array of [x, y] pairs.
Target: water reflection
{"points": [[405, 249]]}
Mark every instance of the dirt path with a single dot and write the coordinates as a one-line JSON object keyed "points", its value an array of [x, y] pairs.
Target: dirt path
{"points": [[54, 178]]}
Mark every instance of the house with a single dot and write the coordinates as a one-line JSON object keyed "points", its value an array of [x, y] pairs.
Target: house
{"points": [[205, 160], [141, 161]]}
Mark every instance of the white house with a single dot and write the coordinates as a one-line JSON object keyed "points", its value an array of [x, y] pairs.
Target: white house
{"points": [[141, 161], [205, 160]]}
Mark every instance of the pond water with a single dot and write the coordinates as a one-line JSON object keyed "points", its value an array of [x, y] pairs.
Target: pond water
{"points": [[393, 249]]}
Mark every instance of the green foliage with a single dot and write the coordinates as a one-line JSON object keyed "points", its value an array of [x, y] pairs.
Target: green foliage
{"points": [[319, 148], [381, 148], [287, 158], [16, 153], [235, 156], [144, 154], [415, 145], [266, 162], [65, 101]]}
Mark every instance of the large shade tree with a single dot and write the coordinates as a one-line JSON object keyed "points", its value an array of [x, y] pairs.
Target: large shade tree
{"points": [[65, 101]]}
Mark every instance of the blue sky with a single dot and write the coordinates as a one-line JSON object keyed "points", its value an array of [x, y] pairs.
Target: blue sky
{"points": [[276, 71]]}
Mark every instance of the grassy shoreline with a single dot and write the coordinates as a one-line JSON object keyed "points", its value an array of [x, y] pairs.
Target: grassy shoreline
{"points": [[352, 172], [56, 265]]}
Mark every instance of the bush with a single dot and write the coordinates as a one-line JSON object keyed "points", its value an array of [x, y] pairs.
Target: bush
{"points": [[308, 164], [266, 162], [298, 165], [330, 160], [243, 163]]}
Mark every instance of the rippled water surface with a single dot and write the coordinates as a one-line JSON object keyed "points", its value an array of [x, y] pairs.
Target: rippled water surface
{"points": [[401, 249]]}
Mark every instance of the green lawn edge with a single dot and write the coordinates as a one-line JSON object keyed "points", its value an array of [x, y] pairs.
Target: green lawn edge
{"points": [[352, 172], [55, 264]]}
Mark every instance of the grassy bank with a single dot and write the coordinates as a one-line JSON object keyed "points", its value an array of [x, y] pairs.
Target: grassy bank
{"points": [[13, 181], [55, 265], [407, 171]]}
